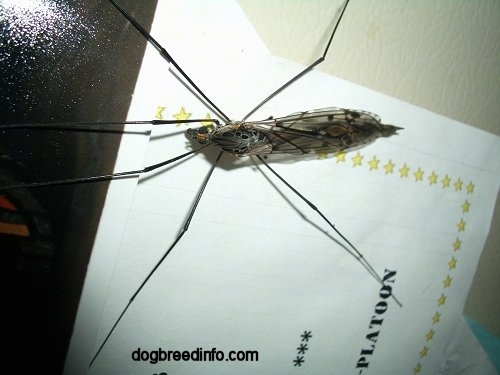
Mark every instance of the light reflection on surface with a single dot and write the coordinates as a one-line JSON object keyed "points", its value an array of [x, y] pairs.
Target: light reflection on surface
{"points": [[41, 23], [40, 42]]}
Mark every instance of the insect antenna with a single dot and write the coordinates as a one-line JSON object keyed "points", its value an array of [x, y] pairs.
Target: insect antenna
{"points": [[353, 250], [172, 246], [318, 61]]}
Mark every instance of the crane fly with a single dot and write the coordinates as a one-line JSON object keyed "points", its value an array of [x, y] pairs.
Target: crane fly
{"points": [[319, 131]]}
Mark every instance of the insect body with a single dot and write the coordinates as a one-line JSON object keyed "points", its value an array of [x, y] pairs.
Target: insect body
{"points": [[327, 130], [251, 273]]}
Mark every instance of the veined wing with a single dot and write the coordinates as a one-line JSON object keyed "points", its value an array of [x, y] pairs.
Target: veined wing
{"points": [[327, 130]]}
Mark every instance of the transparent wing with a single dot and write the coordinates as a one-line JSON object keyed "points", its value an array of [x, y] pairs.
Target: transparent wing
{"points": [[323, 130]]}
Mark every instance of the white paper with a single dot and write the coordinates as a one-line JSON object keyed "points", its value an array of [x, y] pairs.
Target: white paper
{"points": [[251, 273]]}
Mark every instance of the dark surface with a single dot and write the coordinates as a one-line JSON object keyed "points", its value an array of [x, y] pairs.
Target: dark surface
{"points": [[60, 61]]}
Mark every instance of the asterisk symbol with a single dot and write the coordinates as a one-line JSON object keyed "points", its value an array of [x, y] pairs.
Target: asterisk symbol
{"points": [[306, 336], [302, 348], [298, 361]]}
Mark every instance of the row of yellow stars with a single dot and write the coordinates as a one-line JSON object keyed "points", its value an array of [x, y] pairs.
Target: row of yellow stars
{"points": [[404, 171], [441, 300]]}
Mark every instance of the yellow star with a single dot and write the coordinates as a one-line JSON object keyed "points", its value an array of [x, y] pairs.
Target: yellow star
{"points": [[424, 351], [433, 178], [465, 206], [373, 163], [340, 157], [419, 174], [446, 181], [356, 159], [321, 155], [447, 281], [429, 335], [182, 115], [159, 113], [470, 188], [441, 300], [436, 318], [417, 368], [458, 185], [457, 244], [403, 171], [389, 167], [209, 121], [461, 225], [452, 264]]}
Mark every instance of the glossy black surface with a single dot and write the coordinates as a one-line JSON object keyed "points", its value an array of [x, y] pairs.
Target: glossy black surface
{"points": [[60, 61]]}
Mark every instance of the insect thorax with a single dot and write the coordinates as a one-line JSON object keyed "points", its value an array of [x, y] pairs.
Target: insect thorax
{"points": [[238, 138]]}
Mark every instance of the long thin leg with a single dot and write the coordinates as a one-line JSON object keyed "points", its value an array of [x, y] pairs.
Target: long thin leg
{"points": [[100, 126], [172, 246], [163, 52], [305, 71], [357, 254], [103, 177], [104, 127]]}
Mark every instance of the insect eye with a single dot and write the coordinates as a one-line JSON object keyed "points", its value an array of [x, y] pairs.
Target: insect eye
{"points": [[207, 129], [201, 134]]}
